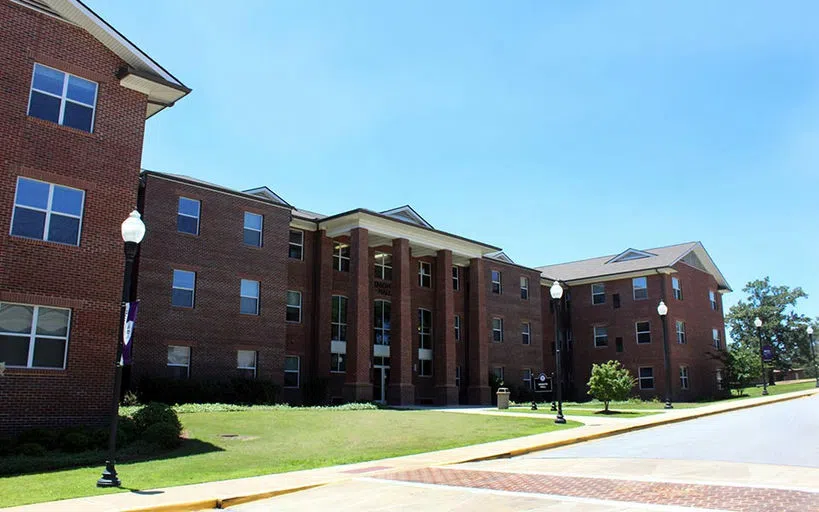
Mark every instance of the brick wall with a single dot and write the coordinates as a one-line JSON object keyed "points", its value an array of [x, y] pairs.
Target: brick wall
{"points": [[105, 164]]}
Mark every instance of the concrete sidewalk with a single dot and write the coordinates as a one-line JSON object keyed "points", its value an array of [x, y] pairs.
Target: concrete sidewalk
{"points": [[226, 493]]}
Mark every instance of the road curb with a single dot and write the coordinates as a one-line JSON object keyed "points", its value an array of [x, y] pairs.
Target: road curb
{"points": [[221, 503]]}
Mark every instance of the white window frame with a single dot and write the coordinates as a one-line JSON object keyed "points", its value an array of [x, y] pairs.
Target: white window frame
{"points": [[712, 298], [496, 282], [381, 267], [288, 306], [640, 378], [255, 361], [424, 331], [595, 335], [598, 293], [340, 358], [676, 288], [715, 335], [245, 227], [385, 332], [342, 308], [458, 376], [638, 332], [498, 374], [635, 288], [339, 258], [681, 339], [300, 245], [64, 97], [421, 372], [197, 216], [498, 330], [524, 288], [32, 336], [297, 371], [48, 211], [684, 381], [424, 271], [256, 298], [457, 328], [527, 381], [186, 366], [526, 333], [192, 290], [456, 278]]}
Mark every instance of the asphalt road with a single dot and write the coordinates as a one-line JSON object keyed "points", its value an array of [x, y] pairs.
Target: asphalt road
{"points": [[785, 433]]}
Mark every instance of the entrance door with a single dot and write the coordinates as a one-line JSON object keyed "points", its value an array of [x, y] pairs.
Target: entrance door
{"points": [[381, 377]]}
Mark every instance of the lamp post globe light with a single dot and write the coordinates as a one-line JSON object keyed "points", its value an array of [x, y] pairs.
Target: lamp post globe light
{"points": [[813, 354], [133, 230], [758, 325], [556, 291], [662, 310]]}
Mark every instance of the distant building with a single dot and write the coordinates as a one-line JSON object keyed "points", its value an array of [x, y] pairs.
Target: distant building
{"points": [[74, 97]]}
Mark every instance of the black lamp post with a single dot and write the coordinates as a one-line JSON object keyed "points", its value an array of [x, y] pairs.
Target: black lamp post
{"points": [[133, 229], [662, 310], [556, 291], [758, 325], [813, 354]]}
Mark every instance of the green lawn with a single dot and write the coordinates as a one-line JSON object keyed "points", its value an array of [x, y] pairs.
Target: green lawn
{"points": [[546, 409], [595, 405], [275, 442]]}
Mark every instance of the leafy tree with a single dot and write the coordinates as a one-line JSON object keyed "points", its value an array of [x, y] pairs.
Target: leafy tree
{"points": [[610, 381], [742, 366], [782, 327]]}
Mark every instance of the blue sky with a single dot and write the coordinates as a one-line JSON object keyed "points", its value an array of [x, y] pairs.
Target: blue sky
{"points": [[556, 130]]}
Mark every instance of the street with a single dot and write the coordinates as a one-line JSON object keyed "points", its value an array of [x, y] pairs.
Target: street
{"points": [[763, 458]]}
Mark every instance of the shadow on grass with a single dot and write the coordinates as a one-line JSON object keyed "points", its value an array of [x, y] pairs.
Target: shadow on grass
{"points": [[15, 465]]}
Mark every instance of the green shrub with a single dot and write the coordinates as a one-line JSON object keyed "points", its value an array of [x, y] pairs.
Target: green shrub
{"points": [[47, 438], [31, 449], [130, 399], [127, 432], [233, 391], [164, 434], [154, 413], [74, 442], [609, 381], [138, 449], [7, 446]]}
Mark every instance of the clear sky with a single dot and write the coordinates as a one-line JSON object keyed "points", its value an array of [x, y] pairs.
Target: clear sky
{"points": [[556, 130]]}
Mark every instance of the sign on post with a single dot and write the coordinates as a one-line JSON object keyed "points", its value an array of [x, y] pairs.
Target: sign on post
{"points": [[543, 383], [767, 353]]}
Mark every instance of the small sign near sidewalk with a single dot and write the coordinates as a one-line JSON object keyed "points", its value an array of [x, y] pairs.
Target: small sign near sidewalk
{"points": [[543, 384]]}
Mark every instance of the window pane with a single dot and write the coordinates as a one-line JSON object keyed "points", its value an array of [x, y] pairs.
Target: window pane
{"points": [[639, 282], [295, 252], [250, 288], [52, 322], [291, 363], [646, 372], [253, 238], [67, 200], [49, 353], [296, 237], [253, 221], [81, 90], [179, 355], [14, 350], [249, 306], [187, 225], [291, 379], [43, 106], [32, 193], [183, 279], [28, 223], [178, 372], [49, 80], [246, 359], [65, 230], [78, 116], [182, 298], [293, 299], [16, 318], [188, 206]]}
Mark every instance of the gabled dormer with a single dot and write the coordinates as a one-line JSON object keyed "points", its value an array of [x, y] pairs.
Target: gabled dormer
{"points": [[630, 254], [500, 256], [407, 214], [268, 194]]}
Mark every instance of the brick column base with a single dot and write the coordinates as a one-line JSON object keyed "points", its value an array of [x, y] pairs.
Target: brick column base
{"points": [[479, 395], [358, 392], [401, 394], [446, 395]]}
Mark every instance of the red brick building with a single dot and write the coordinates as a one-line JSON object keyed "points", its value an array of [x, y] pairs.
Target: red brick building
{"points": [[74, 97], [366, 305], [612, 314]]}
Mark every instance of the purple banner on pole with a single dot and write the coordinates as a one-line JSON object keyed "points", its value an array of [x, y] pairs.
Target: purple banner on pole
{"points": [[767, 354], [128, 330]]}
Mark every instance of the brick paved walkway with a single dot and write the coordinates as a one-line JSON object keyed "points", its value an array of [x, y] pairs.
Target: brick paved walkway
{"points": [[739, 499]]}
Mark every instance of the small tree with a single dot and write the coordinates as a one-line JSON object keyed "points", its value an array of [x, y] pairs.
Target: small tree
{"points": [[743, 366], [610, 381]]}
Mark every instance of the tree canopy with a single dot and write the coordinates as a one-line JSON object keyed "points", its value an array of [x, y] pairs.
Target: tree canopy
{"points": [[610, 381]]}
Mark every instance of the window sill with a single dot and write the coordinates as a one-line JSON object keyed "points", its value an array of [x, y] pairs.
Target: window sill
{"points": [[68, 129], [185, 233], [20, 371], [44, 243]]}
